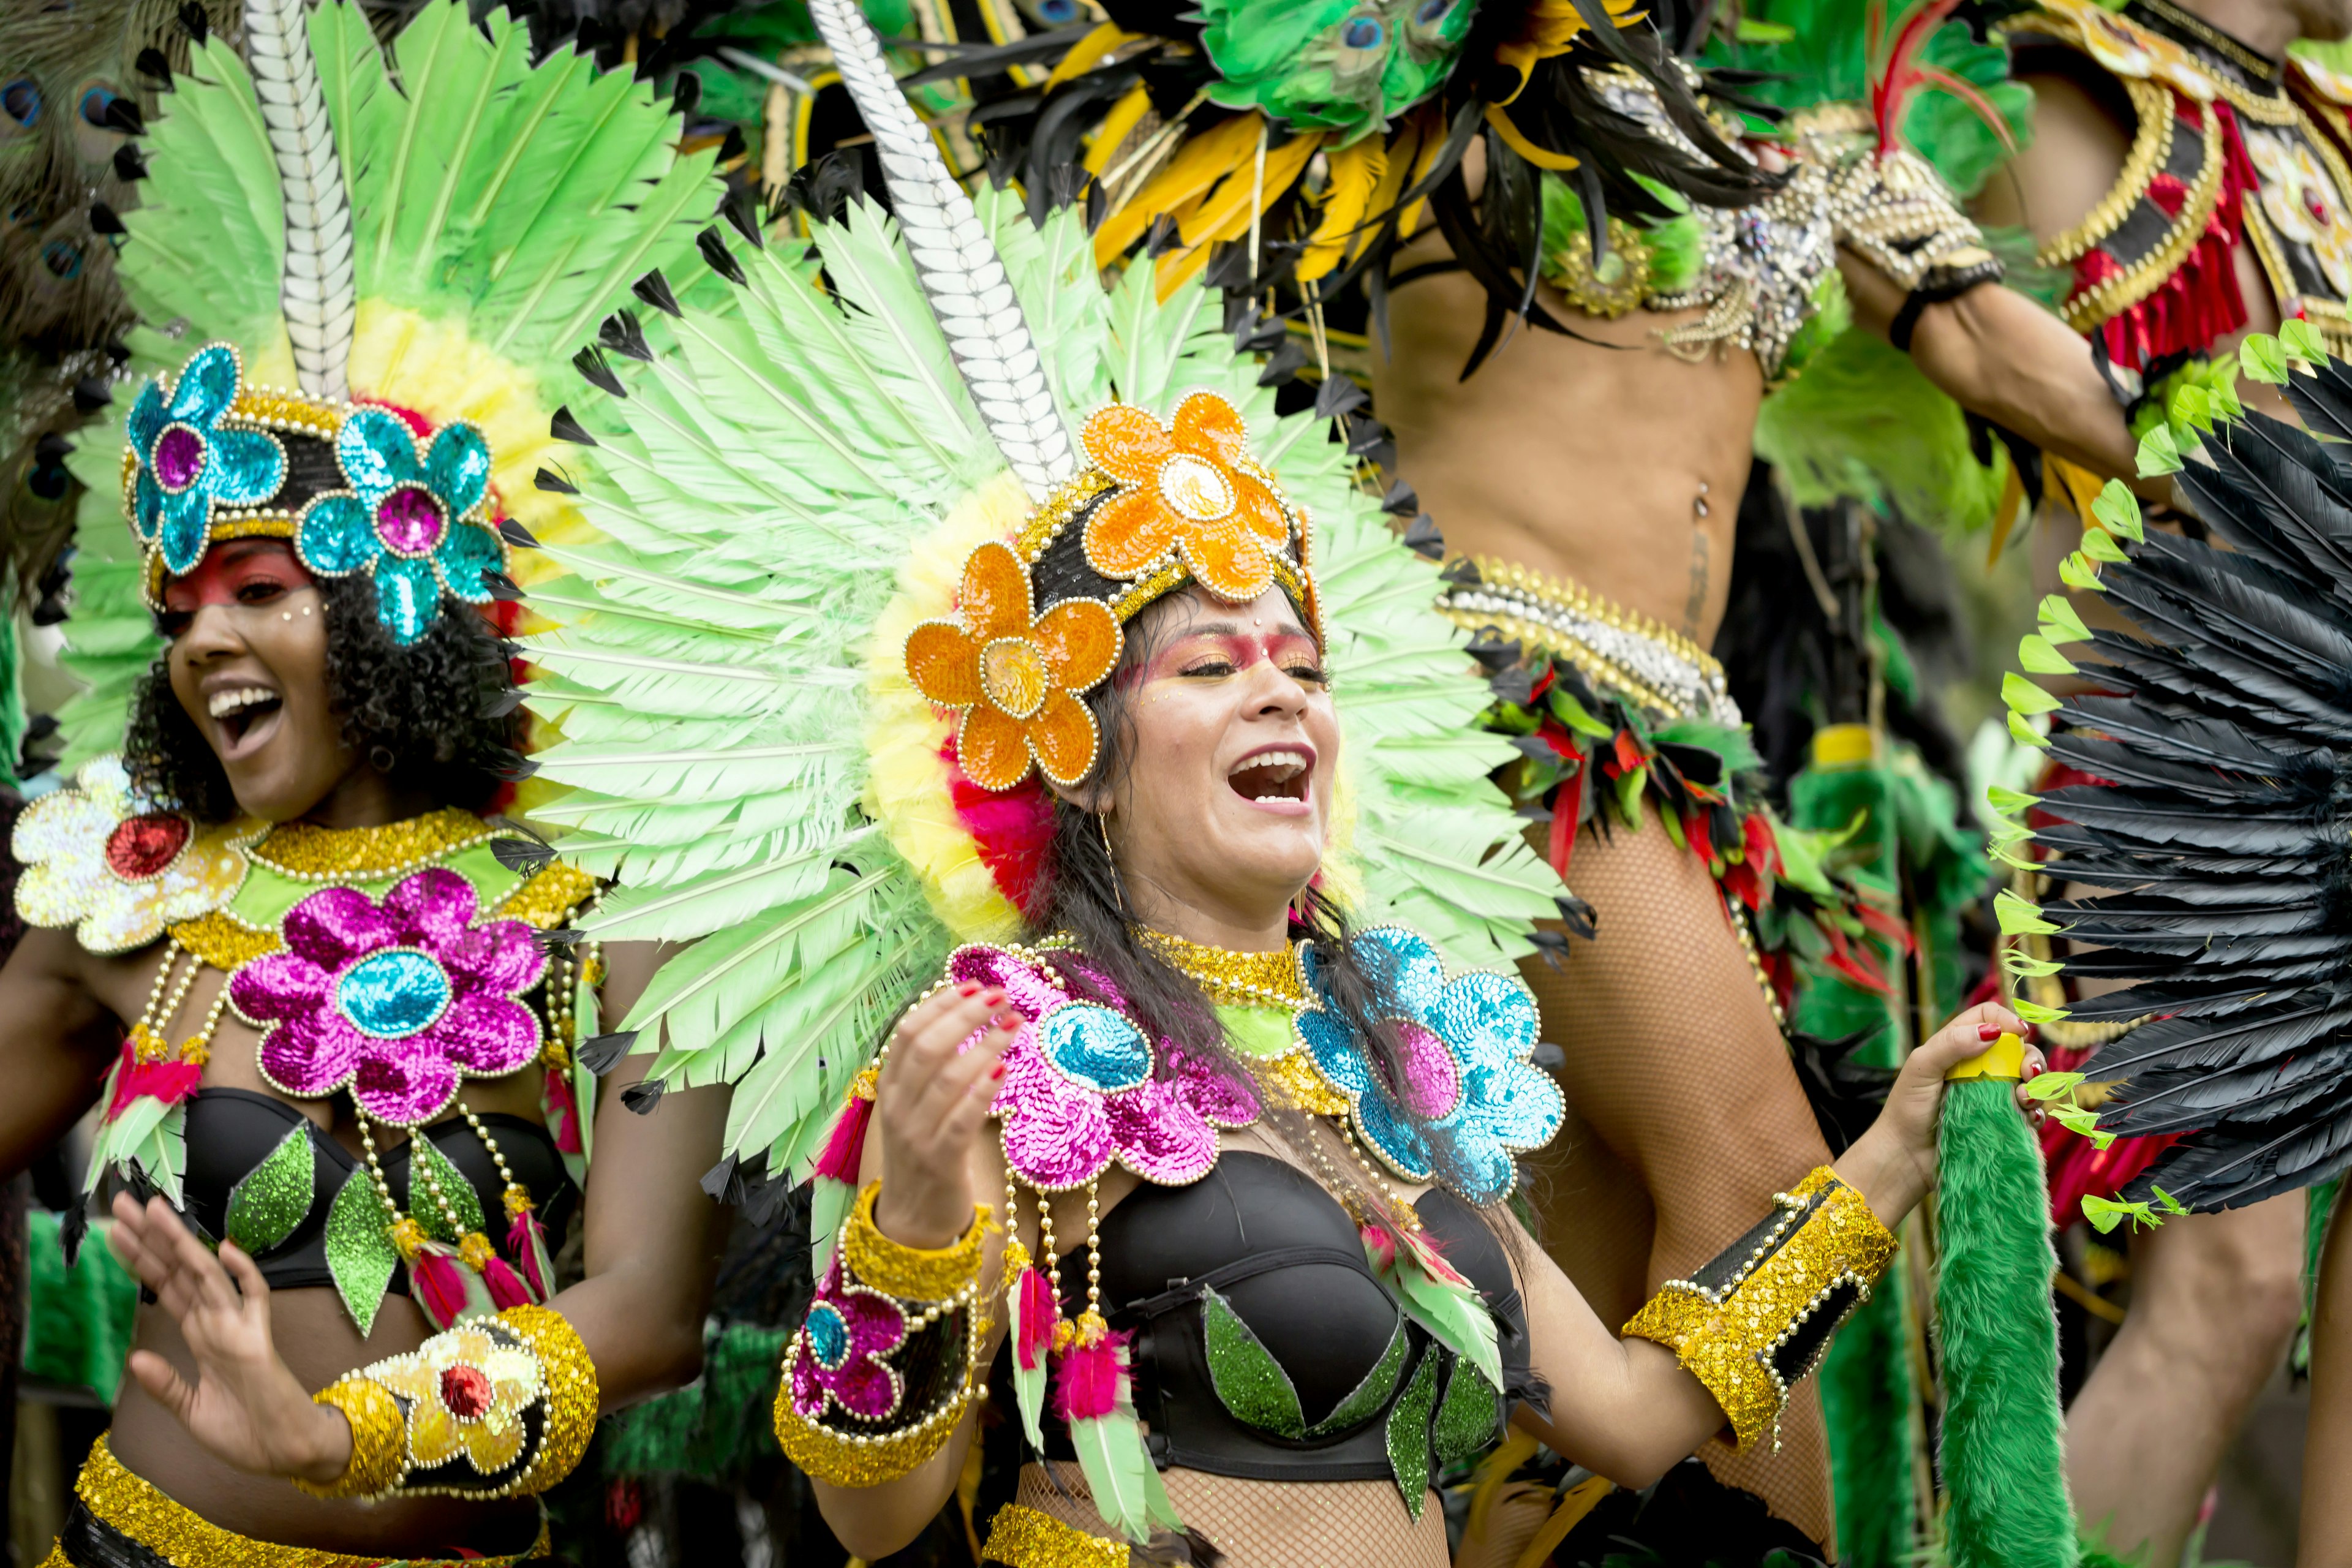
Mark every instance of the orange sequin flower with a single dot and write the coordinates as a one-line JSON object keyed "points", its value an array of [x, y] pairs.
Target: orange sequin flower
{"points": [[1192, 486], [1015, 674]]}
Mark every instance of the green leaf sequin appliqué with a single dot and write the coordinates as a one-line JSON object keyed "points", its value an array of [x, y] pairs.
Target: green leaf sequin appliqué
{"points": [[1468, 1415], [360, 1256], [1253, 1385], [1371, 1393], [1409, 1435], [423, 1160], [272, 1198], [1248, 1380]]}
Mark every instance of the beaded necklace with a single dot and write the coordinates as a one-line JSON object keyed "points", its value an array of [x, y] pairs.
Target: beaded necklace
{"points": [[305, 853]]}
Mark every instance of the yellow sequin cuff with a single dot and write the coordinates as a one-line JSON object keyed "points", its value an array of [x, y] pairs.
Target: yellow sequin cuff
{"points": [[1024, 1538], [842, 1458], [494, 1408], [911, 1273], [379, 1459], [572, 1397], [1730, 1331], [180, 1536]]}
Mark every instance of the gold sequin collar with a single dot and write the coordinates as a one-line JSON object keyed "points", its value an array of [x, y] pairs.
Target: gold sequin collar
{"points": [[309, 853], [1232, 979]]}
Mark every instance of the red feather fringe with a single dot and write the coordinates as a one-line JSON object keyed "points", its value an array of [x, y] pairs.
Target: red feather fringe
{"points": [[563, 1111], [505, 1286], [1039, 1314], [438, 1281], [528, 1242], [2199, 304], [1009, 830], [1087, 1384], [846, 1150]]}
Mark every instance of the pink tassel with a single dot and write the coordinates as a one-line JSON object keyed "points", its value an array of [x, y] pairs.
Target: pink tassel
{"points": [[438, 1283], [562, 1109], [846, 1150], [506, 1285], [1092, 1379], [1038, 1315], [528, 1242]]}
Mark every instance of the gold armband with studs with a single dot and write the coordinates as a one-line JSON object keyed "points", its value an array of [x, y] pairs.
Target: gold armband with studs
{"points": [[1756, 1319], [883, 1367], [495, 1407]]}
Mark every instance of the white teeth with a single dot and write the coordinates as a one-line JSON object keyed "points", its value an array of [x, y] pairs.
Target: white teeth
{"points": [[223, 703], [1289, 765]]}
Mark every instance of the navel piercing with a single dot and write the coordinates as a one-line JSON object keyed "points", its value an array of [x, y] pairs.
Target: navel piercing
{"points": [[1699, 505]]}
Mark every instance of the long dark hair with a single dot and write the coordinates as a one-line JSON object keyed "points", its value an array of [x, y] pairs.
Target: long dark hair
{"points": [[1080, 896], [427, 714]]}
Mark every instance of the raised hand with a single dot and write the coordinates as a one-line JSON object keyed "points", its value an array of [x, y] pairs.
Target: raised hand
{"points": [[245, 1406], [929, 1105], [1893, 1165]]}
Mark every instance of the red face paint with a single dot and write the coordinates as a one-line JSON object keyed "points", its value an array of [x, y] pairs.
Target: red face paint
{"points": [[1220, 647], [235, 572]]}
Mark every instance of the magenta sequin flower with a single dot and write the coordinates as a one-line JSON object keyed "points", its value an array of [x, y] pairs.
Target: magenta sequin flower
{"points": [[1082, 1090], [403, 1000], [835, 1358]]}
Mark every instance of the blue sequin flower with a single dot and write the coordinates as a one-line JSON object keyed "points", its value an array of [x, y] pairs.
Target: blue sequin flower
{"points": [[1466, 1073], [188, 464], [412, 519]]}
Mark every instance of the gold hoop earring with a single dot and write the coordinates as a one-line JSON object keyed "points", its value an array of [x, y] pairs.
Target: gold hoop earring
{"points": [[1117, 889]]}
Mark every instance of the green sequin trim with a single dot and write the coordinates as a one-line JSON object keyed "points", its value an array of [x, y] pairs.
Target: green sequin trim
{"points": [[1248, 1380], [1372, 1394], [1409, 1435], [274, 1196], [423, 1157], [360, 1256], [1468, 1416]]}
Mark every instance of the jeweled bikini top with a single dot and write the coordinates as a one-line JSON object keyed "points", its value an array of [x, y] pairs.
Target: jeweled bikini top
{"points": [[388, 964], [1761, 272]]}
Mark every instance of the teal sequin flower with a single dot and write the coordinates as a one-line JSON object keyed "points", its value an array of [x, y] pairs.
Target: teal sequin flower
{"points": [[416, 518], [1466, 1073], [189, 462]]}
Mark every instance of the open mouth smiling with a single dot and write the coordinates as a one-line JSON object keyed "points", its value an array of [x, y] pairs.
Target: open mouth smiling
{"points": [[1277, 775], [240, 711]]}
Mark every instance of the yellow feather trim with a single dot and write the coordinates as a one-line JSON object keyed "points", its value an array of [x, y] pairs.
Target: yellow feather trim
{"points": [[907, 781], [439, 370]]}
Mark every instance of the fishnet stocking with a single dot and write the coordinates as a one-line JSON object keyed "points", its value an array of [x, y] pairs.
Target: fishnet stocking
{"points": [[1273, 1524], [1687, 1117]]}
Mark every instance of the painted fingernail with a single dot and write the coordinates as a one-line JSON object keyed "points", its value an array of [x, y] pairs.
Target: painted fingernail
{"points": [[1989, 1032], [969, 988], [1010, 1019], [995, 997], [997, 1071]]}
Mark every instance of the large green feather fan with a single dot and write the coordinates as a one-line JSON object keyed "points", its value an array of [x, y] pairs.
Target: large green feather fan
{"points": [[773, 470], [500, 210]]}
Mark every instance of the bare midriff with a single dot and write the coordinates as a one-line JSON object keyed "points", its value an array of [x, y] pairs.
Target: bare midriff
{"points": [[314, 1335], [1601, 458]]}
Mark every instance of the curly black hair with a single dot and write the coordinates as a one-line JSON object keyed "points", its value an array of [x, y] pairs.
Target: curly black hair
{"points": [[422, 713]]}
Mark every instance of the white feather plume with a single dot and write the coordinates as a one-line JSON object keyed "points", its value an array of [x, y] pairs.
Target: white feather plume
{"points": [[316, 289], [963, 275]]}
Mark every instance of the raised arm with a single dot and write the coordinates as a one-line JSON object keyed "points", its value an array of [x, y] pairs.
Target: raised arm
{"points": [[630, 1330], [1630, 1408], [58, 1042], [931, 1151]]}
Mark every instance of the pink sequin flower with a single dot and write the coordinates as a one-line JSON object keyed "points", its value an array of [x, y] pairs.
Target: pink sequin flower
{"points": [[835, 1358], [1082, 1090], [401, 1001]]}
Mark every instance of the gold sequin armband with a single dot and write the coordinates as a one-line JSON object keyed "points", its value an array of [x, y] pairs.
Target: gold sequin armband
{"points": [[880, 1371], [498, 1407], [1758, 1318]]}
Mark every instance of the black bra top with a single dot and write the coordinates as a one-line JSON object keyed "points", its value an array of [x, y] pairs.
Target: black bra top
{"points": [[1259, 1240], [233, 1133]]}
